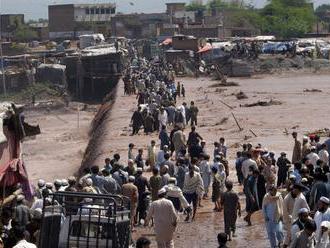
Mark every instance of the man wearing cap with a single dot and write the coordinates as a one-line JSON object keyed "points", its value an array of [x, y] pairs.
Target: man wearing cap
{"points": [[283, 165], [293, 202], [175, 195], [306, 237], [324, 240], [298, 224], [296, 154], [131, 191], [322, 214], [165, 220]]}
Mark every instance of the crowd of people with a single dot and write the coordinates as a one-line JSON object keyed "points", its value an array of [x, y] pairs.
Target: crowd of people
{"points": [[293, 195]]}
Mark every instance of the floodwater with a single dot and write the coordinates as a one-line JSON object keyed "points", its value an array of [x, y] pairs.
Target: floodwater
{"points": [[300, 111]]}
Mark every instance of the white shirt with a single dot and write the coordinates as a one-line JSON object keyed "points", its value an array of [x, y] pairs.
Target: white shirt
{"points": [[324, 156], [24, 244], [318, 218], [313, 157], [160, 157], [246, 165]]}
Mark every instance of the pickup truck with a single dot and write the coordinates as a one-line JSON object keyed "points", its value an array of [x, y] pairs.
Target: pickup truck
{"points": [[81, 220]]}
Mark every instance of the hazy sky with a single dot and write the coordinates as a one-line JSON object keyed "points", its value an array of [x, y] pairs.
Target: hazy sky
{"points": [[34, 9]]}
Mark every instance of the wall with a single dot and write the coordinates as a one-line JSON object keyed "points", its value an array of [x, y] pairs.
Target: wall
{"points": [[61, 21]]}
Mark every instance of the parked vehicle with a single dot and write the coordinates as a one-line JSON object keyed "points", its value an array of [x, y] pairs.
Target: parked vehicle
{"points": [[85, 220]]}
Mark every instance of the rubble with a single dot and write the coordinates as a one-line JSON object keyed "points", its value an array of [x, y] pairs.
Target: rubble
{"points": [[324, 132], [227, 84], [312, 90], [241, 95], [262, 103]]}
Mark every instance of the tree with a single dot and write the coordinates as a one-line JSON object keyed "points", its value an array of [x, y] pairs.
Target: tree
{"points": [[195, 6], [323, 12], [287, 19], [24, 33]]}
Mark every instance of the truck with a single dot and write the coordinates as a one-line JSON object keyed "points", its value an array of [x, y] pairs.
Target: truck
{"points": [[83, 220]]}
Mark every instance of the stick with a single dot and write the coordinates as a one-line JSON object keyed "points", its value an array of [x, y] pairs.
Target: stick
{"points": [[253, 133], [237, 122], [226, 104]]}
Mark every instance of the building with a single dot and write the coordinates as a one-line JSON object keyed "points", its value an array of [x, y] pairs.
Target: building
{"points": [[138, 26], [73, 20], [9, 24], [41, 29]]}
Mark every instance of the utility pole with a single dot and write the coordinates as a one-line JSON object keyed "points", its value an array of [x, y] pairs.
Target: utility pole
{"points": [[2, 60]]}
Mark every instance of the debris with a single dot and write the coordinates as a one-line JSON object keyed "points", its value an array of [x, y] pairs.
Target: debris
{"points": [[253, 133], [246, 137], [286, 131], [241, 95], [223, 120], [235, 145], [227, 84], [312, 90], [262, 103], [240, 128], [295, 127], [324, 132], [219, 90], [226, 104]]}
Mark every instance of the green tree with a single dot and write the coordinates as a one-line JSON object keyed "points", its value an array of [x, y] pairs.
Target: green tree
{"points": [[24, 33], [195, 6], [287, 19], [323, 12]]}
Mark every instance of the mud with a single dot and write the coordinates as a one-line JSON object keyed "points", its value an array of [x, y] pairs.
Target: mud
{"points": [[299, 110]]}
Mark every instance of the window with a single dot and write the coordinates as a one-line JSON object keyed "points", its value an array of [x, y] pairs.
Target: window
{"points": [[92, 11], [97, 11], [113, 10], [87, 11], [107, 11], [102, 11]]}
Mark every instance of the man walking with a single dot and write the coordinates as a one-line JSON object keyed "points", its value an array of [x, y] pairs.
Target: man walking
{"points": [[272, 207], [165, 220]]}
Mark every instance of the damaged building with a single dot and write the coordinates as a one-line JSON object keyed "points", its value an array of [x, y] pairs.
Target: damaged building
{"points": [[94, 73]]}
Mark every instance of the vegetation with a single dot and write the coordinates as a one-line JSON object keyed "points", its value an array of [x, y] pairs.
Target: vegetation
{"points": [[24, 33], [323, 12], [282, 18], [39, 90], [287, 19]]}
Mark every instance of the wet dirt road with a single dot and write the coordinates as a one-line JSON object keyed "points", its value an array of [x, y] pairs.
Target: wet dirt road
{"points": [[300, 111]]}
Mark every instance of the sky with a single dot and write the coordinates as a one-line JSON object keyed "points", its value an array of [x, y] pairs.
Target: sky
{"points": [[34, 9]]}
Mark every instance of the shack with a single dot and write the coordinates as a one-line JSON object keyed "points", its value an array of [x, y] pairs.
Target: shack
{"points": [[183, 42], [93, 73]]}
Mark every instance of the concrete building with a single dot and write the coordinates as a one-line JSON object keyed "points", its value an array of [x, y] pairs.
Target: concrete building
{"points": [[73, 20], [9, 24], [138, 25]]}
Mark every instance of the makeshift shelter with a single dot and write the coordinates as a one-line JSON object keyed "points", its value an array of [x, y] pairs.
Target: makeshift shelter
{"points": [[52, 73]]}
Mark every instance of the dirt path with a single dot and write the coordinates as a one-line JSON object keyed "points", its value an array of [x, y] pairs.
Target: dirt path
{"points": [[299, 110]]}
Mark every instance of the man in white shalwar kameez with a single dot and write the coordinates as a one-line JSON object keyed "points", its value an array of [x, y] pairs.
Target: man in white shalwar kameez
{"points": [[165, 220]]}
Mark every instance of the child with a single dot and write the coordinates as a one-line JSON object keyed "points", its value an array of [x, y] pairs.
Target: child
{"points": [[230, 204], [219, 179]]}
